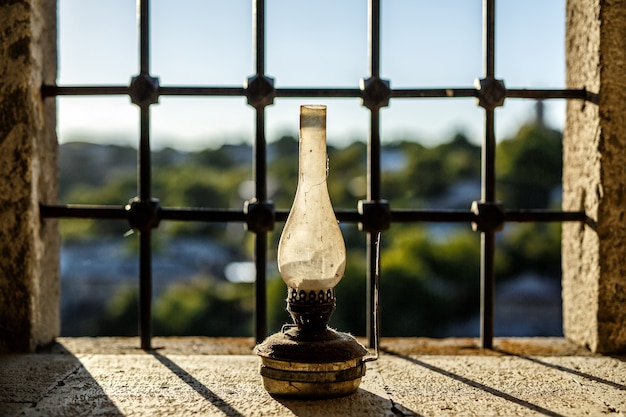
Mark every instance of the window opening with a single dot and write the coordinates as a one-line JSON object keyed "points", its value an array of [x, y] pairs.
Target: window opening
{"points": [[373, 213]]}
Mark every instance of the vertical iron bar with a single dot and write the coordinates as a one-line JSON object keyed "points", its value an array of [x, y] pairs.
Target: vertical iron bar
{"points": [[487, 241], [260, 179], [487, 274], [259, 35], [144, 36], [373, 170], [488, 157], [260, 320], [487, 270], [145, 289], [260, 258], [373, 194], [489, 16], [260, 159], [144, 187], [145, 247], [373, 157], [374, 37]]}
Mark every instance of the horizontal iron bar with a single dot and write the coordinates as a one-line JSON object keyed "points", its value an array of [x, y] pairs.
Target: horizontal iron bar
{"points": [[79, 211], [433, 92], [517, 216], [202, 91], [319, 92], [84, 90], [438, 216], [54, 90], [83, 211], [348, 216], [203, 214], [547, 94]]}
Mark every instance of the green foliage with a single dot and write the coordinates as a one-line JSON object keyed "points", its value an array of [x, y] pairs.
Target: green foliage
{"points": [[346, 167], [283, 169], [533, 247], [206, 308], [201, 307], [89, 166], [428, 281], [121, 314], [430, 172], [529, 167]]}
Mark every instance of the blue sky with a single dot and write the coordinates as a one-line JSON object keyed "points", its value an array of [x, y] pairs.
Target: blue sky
{"points": [[321, 43]]}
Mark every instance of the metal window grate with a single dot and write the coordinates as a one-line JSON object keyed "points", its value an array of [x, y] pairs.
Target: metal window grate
{"points": [[144, 212]]}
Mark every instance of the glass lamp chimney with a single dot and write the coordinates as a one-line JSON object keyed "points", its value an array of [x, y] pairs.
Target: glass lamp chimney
{"points": [[311, 251]]}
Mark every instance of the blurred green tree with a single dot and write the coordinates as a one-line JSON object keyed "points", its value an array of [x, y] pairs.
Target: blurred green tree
{"points": [[430, 274], [202, 307], [529, 167]]}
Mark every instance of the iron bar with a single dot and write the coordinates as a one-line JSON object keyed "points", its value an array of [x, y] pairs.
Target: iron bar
{"points": [[373, 169], [259, 35], [82, 211], [319, 92], [488, 158], [260, 287], [488, 186], [144, 191], [489, 19], [435, 216], [260, 258], [211, 215], [434, 92], [145, 289], [487, 288], [298, 92], [374, 37], [84, 90], [203, 215], [202, 91], [373, 158], [260, 177], [544, 94], [260, 157]]}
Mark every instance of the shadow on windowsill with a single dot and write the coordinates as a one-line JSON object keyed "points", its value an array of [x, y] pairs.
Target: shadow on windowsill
{"points": [[50, 382]]}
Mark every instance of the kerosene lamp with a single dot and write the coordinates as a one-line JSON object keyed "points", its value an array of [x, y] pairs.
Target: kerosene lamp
{"points": [[307, 358]]}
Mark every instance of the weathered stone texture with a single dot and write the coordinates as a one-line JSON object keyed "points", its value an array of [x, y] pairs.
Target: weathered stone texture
{"points": [[594, 176], [211, 377], [29, 272]]}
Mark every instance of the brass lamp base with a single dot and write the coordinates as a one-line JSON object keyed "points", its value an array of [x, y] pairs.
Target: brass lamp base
{"points": [[296, 364]]}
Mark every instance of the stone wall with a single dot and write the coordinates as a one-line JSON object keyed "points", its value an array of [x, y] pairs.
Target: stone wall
{"points": [[594, 176], [29, 250]]}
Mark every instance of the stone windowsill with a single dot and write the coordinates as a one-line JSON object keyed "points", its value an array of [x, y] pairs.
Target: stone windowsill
{"points": [[218, 376]]}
